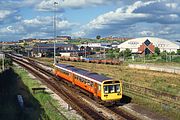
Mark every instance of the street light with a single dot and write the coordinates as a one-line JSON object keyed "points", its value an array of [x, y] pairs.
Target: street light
{"points": [[55, 8]]}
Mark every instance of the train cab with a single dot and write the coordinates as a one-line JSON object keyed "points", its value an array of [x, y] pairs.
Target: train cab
{"points": [[111, 90]]}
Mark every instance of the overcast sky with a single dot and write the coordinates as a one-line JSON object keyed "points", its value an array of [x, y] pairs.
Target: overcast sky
{"points": [[21, 19]]}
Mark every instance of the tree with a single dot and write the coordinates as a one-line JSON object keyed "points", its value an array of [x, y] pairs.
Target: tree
{"points": [[125, 53], [163, 55], [110, 54], [98, 37], [157, 50], [178, 52]]}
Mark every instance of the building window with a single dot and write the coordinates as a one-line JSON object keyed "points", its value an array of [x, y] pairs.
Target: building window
{"points": [[147, 42]]}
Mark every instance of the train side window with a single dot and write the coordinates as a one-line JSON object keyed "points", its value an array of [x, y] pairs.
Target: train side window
{"points": [[99, 87], [76, 77], [86, 81], [91, 83], [81, 79]]}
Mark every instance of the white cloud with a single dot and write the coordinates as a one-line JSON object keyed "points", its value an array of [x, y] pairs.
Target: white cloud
{"points": [[137, 5], [4, 14], [78, 34], [46, 24], [147, 33], [37, 27], [121, 21], [48, 5]]}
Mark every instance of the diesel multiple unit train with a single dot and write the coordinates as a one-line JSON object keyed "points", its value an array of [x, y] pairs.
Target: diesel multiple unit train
{"points": [[99, 86]]}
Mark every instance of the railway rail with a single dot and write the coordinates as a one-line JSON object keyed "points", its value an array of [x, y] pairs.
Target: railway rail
{"points": [[86, 111], [158, 96], [155, 95], [161, 97], [71, 98]]}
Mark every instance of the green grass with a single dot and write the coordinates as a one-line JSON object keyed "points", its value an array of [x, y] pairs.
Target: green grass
{"points": [[161, 81], [43, 98], [161, 109]]}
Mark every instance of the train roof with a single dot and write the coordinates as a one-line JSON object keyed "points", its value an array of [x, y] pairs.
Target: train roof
{"points": [[95, 76]]}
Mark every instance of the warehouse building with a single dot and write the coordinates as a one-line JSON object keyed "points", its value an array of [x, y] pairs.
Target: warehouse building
{"points": [[146, 45]]}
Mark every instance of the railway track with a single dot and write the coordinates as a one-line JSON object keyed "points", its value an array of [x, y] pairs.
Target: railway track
{"points": [[163, 98], [75, 101], [86, 111], [157, 96]]}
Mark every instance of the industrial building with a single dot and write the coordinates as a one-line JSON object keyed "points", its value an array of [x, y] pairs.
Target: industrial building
{"points": [[146, 45]]}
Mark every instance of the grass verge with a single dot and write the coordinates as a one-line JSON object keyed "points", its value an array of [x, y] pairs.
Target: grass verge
{"points": [[43, 98], [155, 107]]}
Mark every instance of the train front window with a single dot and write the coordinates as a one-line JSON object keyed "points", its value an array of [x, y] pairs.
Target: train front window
{"points": [[105, 89], [111, 89], [117, 88]]}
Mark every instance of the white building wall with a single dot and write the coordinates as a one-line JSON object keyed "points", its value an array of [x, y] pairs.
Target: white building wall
{"points": [[162, 44]]}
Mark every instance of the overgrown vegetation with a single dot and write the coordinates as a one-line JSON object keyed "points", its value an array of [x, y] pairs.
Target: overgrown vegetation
{"points": [[44, 99], [7, 62], [11, 86]]}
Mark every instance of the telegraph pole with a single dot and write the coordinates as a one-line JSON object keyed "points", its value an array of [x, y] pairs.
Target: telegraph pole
{"points": [[3, 62], [55, 8], [2, 56]]}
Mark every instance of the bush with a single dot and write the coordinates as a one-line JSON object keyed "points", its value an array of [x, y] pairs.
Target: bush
{"points": [[176, 59]]}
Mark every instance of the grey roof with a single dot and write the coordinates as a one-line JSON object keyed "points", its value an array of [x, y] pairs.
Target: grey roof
{"points": [[52, 45], [95, 76]]}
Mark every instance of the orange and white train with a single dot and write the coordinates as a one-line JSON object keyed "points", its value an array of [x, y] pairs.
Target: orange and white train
{"points": [[100, 86]]}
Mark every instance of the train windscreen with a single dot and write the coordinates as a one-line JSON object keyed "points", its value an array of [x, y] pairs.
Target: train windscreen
{"points": [[112, 88]]}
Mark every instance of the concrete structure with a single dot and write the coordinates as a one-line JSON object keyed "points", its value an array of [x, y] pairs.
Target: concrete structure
{"points": [[146, 45]]}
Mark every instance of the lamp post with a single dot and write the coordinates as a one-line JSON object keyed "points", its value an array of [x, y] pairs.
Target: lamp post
{"points": [[54, 25]]}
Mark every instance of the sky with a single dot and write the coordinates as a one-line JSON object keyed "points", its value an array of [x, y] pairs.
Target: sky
{"points": [[22, 19]]}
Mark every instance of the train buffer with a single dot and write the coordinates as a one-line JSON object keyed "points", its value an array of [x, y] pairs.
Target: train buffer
{"points": [[38, 89]]}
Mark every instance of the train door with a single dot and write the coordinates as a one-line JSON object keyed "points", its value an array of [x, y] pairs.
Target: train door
{"points": [[72, 78], [95, 89]]}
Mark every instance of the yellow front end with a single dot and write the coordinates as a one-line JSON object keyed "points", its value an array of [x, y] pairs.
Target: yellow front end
{"points": [[111, 90]]}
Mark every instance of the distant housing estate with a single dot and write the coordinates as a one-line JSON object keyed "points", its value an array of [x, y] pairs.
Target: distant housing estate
{"points": [[121, 39], [49, 40]]}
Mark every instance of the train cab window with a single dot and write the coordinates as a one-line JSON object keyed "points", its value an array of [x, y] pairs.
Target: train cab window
{"points": [[106, 89], [117, 88]]}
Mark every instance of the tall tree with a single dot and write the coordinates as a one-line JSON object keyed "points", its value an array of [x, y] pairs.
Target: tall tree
{"points": [[98, 37], [157, 50], [178, 52]]}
